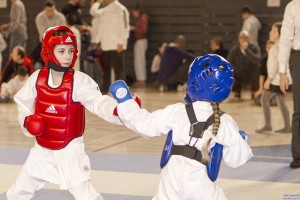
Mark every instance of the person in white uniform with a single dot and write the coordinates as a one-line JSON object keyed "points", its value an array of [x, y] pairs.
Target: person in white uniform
{"points": [[51, 107], [186, 175]]}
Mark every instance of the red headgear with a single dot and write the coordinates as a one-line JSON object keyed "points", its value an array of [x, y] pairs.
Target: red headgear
{"points": [[50, 40]]}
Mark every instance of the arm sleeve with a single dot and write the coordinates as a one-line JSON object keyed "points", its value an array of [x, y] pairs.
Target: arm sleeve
{"points": [[185, 54], [145, 123], [25, 100], [236, 151], [40, 25], [63, 20], [246, 26], [253, 54], [15, 16], [124, 28], [286, 38], [86, 91], [3, 44], [272, 63], [95, 10]]}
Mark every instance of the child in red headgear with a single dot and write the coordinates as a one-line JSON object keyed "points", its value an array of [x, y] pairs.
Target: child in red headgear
{"points": [[51, 108]]}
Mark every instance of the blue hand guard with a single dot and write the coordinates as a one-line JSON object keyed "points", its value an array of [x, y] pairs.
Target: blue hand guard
{"points": [[167, 151], [213, 166], [120, 91], [245, 136]]}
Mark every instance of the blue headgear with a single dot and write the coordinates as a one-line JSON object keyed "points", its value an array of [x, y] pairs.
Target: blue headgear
{"points": [[210, 79]]}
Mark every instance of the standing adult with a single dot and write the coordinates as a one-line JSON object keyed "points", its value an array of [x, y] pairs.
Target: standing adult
{"points": [[245, 59], [73, 8], [289, 51], [17, 27], [113, 38], [140, 45], [48, 17], [250, 24]]}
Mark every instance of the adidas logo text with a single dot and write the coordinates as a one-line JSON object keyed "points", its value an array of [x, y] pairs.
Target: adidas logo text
{"points": [[51, 109]]}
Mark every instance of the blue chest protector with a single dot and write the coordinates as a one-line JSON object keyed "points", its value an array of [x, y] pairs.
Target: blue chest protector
{"points": [[212, 167], [197, 130], [170, 149], [167, 151]]}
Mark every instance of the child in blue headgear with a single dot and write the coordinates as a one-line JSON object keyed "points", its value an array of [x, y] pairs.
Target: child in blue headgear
{"points": [[198, 132]]}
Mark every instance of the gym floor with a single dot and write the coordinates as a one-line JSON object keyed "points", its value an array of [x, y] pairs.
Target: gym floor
{"points": [[125, 166]]}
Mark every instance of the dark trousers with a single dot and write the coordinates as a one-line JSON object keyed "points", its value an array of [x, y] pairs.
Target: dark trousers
{"points": [[115, 61], [246, 77], [180, 76], [295, 72]]}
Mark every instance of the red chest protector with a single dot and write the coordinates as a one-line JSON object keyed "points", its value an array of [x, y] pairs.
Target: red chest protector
{"points": [[64, 118]]}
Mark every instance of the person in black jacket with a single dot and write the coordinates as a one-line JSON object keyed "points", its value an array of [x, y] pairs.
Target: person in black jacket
{"points": [[245, 59], [217, 47]]}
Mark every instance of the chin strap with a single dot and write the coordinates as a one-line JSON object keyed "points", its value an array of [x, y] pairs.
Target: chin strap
{"points": [[58, 68]]}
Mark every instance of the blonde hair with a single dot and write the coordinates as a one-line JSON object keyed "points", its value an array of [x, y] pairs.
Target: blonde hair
{"points": [[205, 148]]}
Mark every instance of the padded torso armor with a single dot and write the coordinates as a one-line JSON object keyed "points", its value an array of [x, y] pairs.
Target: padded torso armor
{"points": [[64, 118]]}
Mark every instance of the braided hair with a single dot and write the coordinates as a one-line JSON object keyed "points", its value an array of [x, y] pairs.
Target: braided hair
{"points": [[217, 116]]}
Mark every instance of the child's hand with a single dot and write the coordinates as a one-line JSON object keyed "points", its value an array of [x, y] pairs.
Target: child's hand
{"points": [[258, 92]]}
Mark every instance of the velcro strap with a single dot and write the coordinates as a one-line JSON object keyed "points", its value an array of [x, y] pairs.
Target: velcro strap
{"points": [[187, 151], [191, 114], [198, 128]]}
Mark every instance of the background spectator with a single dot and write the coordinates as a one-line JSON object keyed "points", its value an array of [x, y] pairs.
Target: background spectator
{"points": [[3, 46], [18, 59], [73, 7], [245, 59], [113, 37], [272, 88], [217, 47], [71, 19], [155, 65], [47, 18], [263, 74], [250, 24], [140, 45], [174, 65], [17, 27], [9, 89], [92, 64]]}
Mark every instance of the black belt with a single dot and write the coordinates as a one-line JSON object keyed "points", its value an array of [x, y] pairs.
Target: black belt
{"points": [[293, 51], [187, 151]]}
